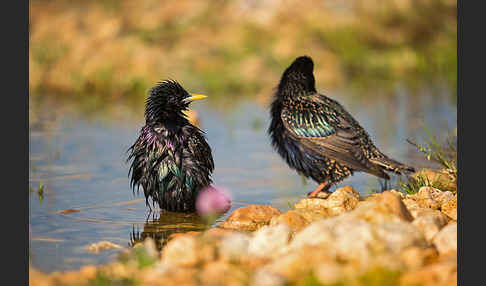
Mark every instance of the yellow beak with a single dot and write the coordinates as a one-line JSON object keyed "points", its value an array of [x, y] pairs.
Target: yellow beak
{"points": [[195, 97]]}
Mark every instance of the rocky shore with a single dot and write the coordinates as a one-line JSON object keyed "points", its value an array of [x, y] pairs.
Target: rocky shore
{"points": [[389, 238]]}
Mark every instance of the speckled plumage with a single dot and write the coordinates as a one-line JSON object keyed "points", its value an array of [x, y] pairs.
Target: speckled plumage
{"points": [[316, 136], [171, 159]]}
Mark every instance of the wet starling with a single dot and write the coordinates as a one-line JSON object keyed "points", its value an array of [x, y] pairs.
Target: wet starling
{"points": [[171, 159], [317, 137]]}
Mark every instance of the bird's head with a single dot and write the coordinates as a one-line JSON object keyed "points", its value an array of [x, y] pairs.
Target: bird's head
{"points": [[168, 99], [298, 78]]}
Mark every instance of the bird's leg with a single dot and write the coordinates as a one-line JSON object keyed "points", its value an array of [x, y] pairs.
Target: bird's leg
{"points": [[148, 215], [322, 187]]}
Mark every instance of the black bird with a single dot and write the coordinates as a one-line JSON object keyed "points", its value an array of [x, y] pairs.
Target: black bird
{"points": [[317, 137], [171, 159]]}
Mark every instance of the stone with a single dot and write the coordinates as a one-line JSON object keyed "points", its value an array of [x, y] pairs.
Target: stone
{"points": [[292, 219], [250, 218], [349, 190], [317, 233], [412, 206], [342, 200], [379, 260], [234, 247], [154, 275], [292, 265], [267, 278], [443, 273], [397, 236], [150, 247], [311, 204], [349, 238], [207, 250], [329, 272], [433, 198], [450, 208], [175, 277], [219, 273], [37, 278], [119, 270], [88, 271], [101, 246], [68, 278], [181, 251], [312, 215], [415, 257], [188, 233], [395, 192], [217, 232], [446, 240], [278, 235], [430, 222], [337, 239], [382, 207], [343, 237], [393, 203]]}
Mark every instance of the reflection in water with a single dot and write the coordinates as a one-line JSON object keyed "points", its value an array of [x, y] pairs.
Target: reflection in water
{"points": [[160, 226]]}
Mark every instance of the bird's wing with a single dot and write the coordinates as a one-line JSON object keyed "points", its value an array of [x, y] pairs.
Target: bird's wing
{"points": [[201, 151], [324, 129]]}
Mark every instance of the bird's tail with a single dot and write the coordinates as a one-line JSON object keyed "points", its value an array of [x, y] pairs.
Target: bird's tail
{"points": [[392, 165]]}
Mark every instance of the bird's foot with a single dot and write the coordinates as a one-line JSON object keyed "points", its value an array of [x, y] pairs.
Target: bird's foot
{"points": [[321, 192], [319, 195]]}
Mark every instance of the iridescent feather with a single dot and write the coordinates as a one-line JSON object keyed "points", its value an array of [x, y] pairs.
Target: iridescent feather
{"points": [[317, 136], [171, 160]]}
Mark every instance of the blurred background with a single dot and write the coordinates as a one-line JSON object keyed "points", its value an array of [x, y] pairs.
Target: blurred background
{"points": [[392, 64]]}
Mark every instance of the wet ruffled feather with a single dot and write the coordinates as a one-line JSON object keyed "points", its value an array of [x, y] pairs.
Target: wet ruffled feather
{"points": [[171, 160]]}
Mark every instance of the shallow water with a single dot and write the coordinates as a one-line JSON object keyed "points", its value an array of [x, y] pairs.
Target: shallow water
{"points": [[80, 158]]}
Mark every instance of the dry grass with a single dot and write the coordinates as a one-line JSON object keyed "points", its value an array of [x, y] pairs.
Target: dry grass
{"points": [[118, 49]]}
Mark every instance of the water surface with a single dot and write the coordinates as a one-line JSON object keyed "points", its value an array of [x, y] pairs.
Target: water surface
{"points": [[80, 158]]}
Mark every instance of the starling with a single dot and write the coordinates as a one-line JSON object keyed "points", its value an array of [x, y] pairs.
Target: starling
{"points": [[171, 159], [317, 137]]}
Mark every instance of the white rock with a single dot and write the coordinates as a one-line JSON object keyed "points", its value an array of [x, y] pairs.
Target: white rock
{"points": [[180, 251], [234, 246], [263, 277], [350, 238], [432, 198], [345, 237], [102, 245], [430, 222], [446, 240], [396, 236], [329, 273], [269, 241]]}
